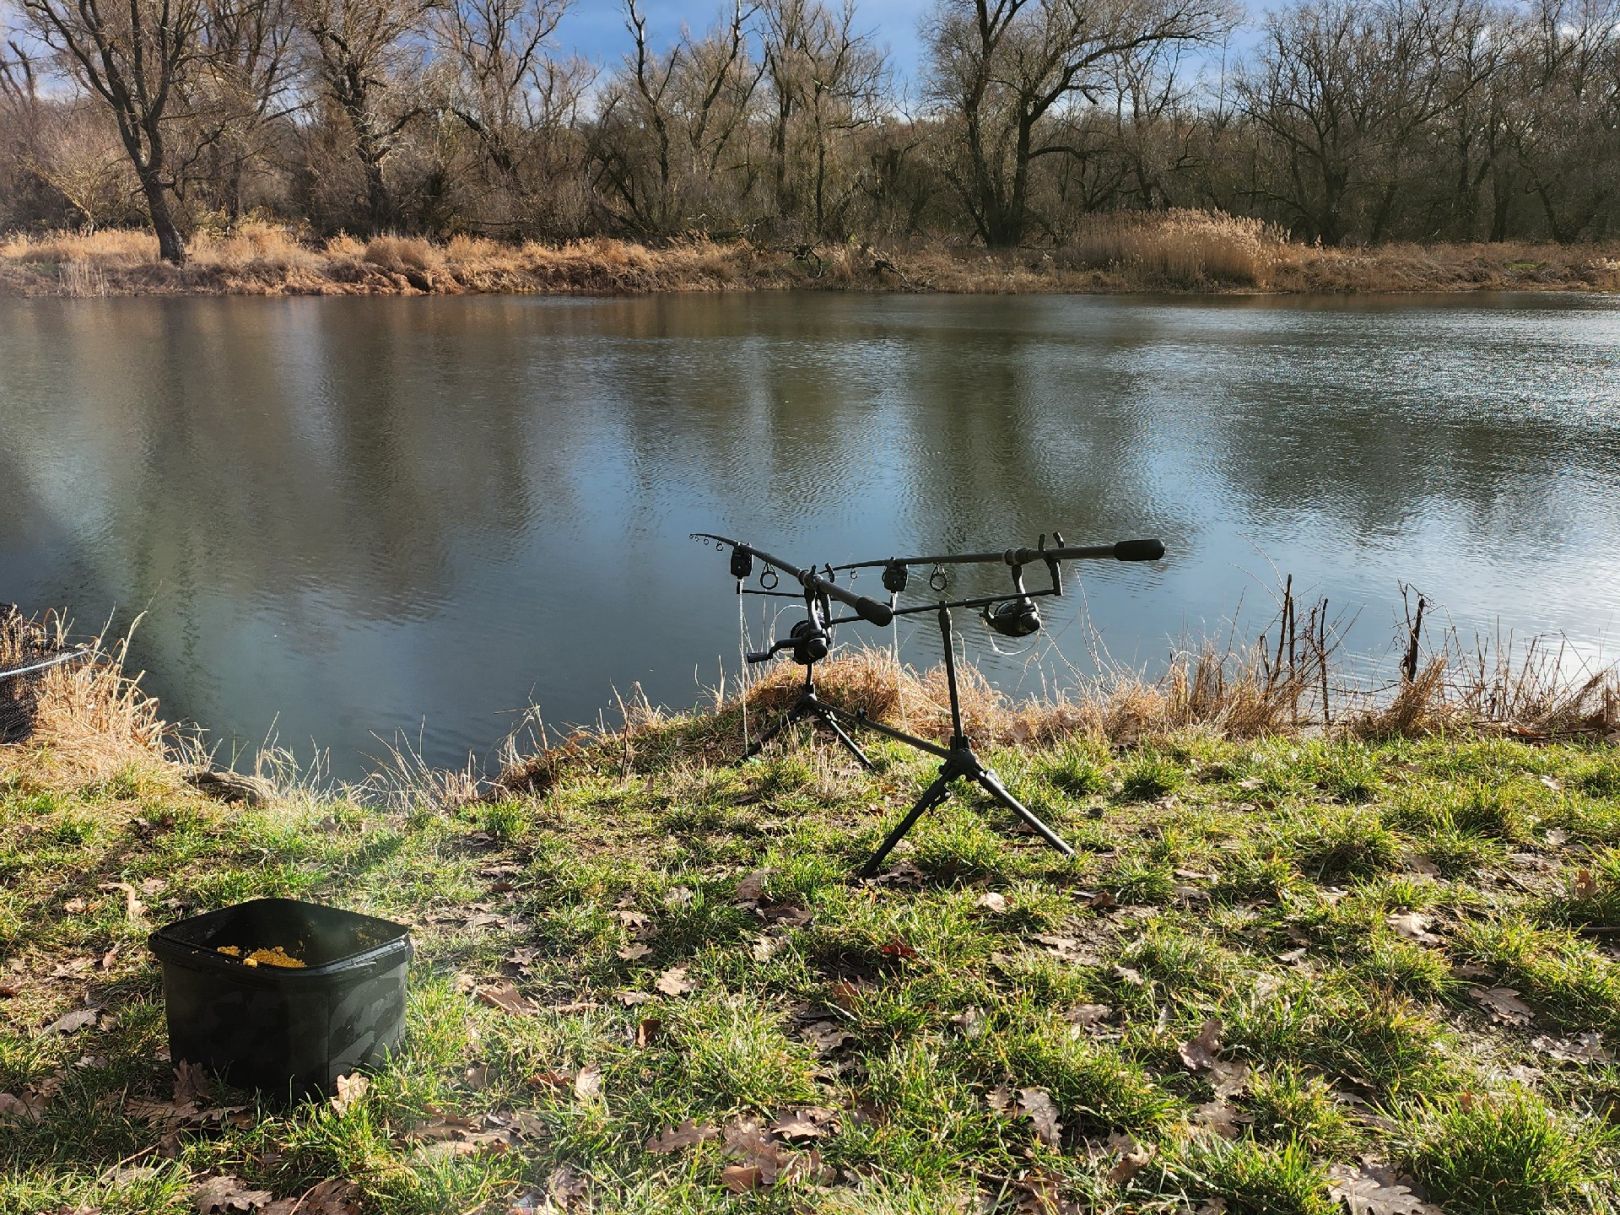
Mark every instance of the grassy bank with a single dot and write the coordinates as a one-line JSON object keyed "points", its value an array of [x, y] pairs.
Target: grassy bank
{"points": [[1285, 968], [1177, 251]]}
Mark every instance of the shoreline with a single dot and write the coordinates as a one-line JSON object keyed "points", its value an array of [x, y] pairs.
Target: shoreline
{"points": [[264, 260]]}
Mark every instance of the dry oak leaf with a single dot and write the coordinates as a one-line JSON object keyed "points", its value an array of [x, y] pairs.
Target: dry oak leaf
{"points": [[1041, 1110], [673, 982], [225, 1194], [1414, 926], [1220, 1117], [1133, 1158], [1373, 1190], [74, 1021], [331, 1197], [752, 888], [588, 1083], [740, 1178], [1083, 1016], [683, 1136], [351, 1090], [1199, 1051], [811, 1122], [635, 951], [1502, 1004], [992, 901], [507, 998]]}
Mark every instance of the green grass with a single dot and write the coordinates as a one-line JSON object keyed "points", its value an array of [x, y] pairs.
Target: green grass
{"points": [[1333, 909]]}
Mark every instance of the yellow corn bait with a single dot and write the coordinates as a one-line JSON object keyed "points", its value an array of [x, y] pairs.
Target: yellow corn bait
{"points": [[276, 956]]}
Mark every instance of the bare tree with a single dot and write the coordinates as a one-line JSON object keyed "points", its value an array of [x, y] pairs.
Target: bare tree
{"points": [[825, 82], [362, 53], [669, 121], [243, 88], [508, 90], [999, 67], [136, 58]]}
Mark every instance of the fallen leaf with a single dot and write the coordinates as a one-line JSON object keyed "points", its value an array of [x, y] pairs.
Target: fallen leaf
{"points": [[897, 948], [191, 1083], [331, 1197], [1218, 1116], [635, 951], [632, 998], [1129, 974], [1001, 1099], [1371, 1190], [969, 1023], [1414, 926], [811, 1122], [673, 982], [751, 889], [477, 1077], [133, 907], [647, 1030], [1585, 886], [1228, 1079], [1502, 1004], [1087, 1015], [223, 1194], [826, 1036], [683, 1136], [1199, 1052], [740, 1178], [75, 906], [588, 1083], [1042, 1111], [74, 1021], [992, 901], [351, 1090], [506, 997], [1133, 1157]]}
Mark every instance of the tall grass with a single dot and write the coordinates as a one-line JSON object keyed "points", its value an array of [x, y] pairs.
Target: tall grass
{"points": [[1181, 248]]}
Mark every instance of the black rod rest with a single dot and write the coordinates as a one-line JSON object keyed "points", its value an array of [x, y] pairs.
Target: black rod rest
{"points": [[810, 641]]}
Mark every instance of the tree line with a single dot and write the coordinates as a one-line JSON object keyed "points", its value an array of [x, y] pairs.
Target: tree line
{"points": [[1451, 120]]}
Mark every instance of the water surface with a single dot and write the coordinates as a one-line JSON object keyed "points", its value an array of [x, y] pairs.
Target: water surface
{"points": [[352, 519]]}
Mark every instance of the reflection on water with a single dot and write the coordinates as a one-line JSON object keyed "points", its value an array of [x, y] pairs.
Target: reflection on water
{"points": [[358, 514]]}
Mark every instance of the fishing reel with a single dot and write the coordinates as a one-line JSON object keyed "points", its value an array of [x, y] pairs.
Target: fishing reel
{"points": [[807, 643], [1016, 617]]}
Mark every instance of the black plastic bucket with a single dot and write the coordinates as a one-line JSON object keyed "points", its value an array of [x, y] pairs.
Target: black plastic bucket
{"points": [[277, 1029]]}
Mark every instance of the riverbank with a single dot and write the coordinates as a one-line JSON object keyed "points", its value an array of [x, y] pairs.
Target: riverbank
{"points": [[1178, 251], [1289, 964]]}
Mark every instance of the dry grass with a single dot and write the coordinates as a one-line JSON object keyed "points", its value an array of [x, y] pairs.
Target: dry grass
{"points": [[1181, 248], [88, 718], [1121, 252]]}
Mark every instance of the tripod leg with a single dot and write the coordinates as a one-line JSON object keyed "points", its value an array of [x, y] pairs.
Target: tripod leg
{"points": [[991, 784], [932, 796], [843, 737], [760, 743]]}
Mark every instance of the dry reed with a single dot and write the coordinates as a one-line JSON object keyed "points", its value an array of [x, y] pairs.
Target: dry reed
{"points": [[1115, 252]]}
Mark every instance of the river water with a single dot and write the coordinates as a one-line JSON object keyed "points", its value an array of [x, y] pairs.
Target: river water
{"points": [[350, 521]]}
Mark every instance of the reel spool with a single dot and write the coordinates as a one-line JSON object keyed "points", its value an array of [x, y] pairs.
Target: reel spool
{"points": [[809, 643], [1013, 618]]}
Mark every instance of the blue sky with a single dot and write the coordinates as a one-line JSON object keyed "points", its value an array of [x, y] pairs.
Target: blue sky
{"points": [[595, 28]]}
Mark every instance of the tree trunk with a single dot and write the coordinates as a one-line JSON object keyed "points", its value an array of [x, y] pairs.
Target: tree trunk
{"points": [[171, 247]]}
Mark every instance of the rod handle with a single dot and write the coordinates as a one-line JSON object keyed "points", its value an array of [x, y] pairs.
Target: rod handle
{"points": [[1139, 550]]}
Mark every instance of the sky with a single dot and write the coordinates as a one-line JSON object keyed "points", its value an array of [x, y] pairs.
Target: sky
{"points": [[596, 29]]}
